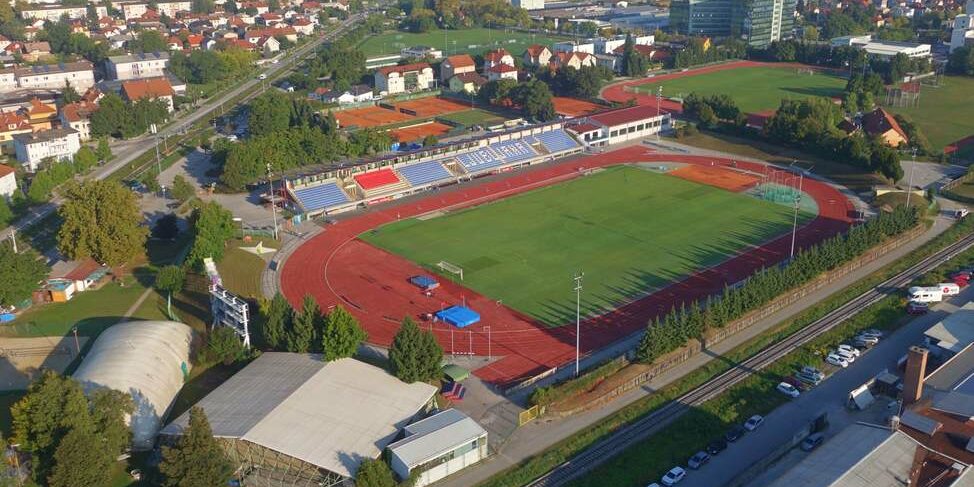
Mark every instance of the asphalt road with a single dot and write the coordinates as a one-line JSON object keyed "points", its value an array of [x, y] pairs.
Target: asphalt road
{"points": [[127, 150]]}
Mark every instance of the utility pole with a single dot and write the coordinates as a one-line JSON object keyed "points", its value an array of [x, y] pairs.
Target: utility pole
{"points": [[578, 321], [489, 354], [798, 200], [659, 96], [270, 182], [13, 238], [913, 168]]}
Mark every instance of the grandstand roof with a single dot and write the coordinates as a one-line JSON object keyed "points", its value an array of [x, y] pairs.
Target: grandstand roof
{"points": [[145, 359], [332, 415], [623, 116]]}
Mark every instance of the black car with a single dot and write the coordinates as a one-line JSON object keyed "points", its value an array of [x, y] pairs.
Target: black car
{"points": [[735, 433], [716, 446], [698, 460]]}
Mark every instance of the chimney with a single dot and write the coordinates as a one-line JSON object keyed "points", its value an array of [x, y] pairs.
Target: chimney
{"points": [[916, 368]]}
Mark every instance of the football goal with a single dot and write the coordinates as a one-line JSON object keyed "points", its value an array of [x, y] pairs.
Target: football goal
{"points": [[451, 268]]}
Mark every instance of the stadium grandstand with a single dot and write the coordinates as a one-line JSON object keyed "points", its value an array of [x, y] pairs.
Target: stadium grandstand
{"points": [[395, 176], [294, 419]]}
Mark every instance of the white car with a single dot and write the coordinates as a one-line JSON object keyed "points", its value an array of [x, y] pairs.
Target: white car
{"points": [[754, 422], [674, 476], [836, 360], [848, 357], [788, 390], [262, 76], [850, 349], [871, 332]]}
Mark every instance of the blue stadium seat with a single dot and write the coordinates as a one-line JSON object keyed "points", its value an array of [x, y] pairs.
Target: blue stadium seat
{"points": [[321, 196], [514, 150], [424, 173], [557, 141]]}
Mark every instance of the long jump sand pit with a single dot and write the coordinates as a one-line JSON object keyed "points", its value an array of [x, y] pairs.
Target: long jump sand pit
{"points": [[24, 359], [420, 131], [370, 117], [718, 177]]}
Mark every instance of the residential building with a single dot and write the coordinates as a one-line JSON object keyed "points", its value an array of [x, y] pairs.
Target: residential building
{"points": [[137, 66], [78, 116], [34, 51], [33, 148], [268, 46], [536, 55], [438, 446], [151, 88], [41, 115], [963, 31], [408, 77], [529, 4], [501, 71], [605, 45], [421, 52], [8, 181], [80, 75], [303, 26], [54, 13], [12, 123], [169, 9], [577, 60], [572, 46], [295, 419], [467, 83], [882, 124], [621, 125], [497, 56], [454, 65], [883, 49], [355, 94], [759, 22]]}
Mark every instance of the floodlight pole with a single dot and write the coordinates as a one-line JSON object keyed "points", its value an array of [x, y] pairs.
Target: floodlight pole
{"points": [[489, 354], [578, 321], [798, 200], [659, 96], [270, 182], [913, 168]]}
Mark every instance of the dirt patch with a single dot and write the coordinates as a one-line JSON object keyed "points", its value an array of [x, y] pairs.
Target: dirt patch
{"points": [[717, 177], [573, 107], [431, 107], [370, 117], [24, 359], [419, 132]]}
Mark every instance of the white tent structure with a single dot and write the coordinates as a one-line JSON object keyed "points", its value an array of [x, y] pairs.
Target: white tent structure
{"points": [[148, 360]]}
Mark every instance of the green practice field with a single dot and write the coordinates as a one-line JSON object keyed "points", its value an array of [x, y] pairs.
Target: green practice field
{"points": [[474, 117], [944, 113], [629, 229], [472, 41], [754, 89]]}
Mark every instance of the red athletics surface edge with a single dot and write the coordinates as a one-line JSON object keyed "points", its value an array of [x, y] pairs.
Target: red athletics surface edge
{"points": [[336, 267]]}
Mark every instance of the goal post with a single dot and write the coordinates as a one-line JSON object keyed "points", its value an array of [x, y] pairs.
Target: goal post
{"points": [[451, 268]]}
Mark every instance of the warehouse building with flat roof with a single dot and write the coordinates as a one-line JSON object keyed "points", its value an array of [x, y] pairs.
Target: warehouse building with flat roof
{"points": [[293, 419], [437, 446]]}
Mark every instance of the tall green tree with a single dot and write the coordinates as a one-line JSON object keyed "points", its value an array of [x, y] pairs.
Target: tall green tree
{"points": [[223, 345], [182, 190], [212, 227], [197, 460], [20, 274], [269, 113], [79, 461], [6, 213], [415, 355], [109, 408], [301, 336], [374, 473], [101, 220], [342, 334], [277, 316], [103, 151]]}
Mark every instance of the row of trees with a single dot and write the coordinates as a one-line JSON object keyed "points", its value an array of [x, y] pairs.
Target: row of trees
{"points": [[211, 66], [585, 82], [691, 321], [54, 173], [961, 61], [533, 97], [426, 15], [336, 334], [124, 119]]}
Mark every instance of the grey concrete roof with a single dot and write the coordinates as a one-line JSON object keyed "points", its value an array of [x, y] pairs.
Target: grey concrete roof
{"points": [[920, 423], [141, 56], [44, 135], [956, 403], [956, 331], [145, 359], [434, 436], [333, 415]]}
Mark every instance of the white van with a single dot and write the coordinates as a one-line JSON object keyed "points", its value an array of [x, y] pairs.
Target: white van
{"points": [[949, 288], [927, 294]]}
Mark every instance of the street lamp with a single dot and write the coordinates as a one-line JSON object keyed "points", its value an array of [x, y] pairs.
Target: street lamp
{"points": [[270, 182], [578, 328], [913, 168]]}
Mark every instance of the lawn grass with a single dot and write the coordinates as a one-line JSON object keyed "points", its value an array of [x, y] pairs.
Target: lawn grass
{"points": [[472, 41], [754, 89], [473, 117], [629, 229], [241, 270], [944, 113]]}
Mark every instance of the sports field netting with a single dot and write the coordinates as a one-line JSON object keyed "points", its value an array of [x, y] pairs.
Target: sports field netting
{"points": [[630, 230]]}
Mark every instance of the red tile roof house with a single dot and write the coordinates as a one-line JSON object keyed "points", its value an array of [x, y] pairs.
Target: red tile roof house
{"points": [[501, 71], [880, 123], [454, 65], [537, 55], [8, 181], [393, 79], [152, 88], [497, 56]]}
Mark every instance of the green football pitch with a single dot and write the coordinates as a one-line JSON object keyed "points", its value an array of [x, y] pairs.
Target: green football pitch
{"points": [[472, 41], [630, 230], [944, 112], [754, 89]]}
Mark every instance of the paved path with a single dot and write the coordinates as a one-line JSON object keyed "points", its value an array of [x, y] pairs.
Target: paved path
{"points": [[540, 434]]}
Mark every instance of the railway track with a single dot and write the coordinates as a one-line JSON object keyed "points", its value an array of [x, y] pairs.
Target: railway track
{"points": [[628, 436]]}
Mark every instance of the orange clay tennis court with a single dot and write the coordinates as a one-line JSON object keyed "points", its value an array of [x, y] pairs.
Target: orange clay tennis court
{"points": [[370, 117], [419, 132], [433, 106], [716, 176], [573, 107]]}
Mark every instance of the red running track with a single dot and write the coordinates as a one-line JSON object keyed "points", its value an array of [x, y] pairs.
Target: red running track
{"points": [[336, 267]]}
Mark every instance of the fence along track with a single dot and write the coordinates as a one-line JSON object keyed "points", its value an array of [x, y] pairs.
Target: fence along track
{"points": [[631, 434]]}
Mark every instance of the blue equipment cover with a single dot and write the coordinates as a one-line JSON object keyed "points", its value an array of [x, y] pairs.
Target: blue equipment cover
{"points": [[424, 282], [458, 316]]}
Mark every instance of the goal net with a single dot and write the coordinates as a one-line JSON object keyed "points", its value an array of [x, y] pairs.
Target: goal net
{"points": [[451, 268]]}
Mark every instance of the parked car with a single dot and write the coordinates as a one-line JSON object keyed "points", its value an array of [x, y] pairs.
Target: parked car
{"points": [[654, 484], [871, 332], [917, 308], [849, 348], [698, 460], [674, 476], [754, 422], [868, 339], [797, 384], [836, 360], [716, 446], [845, 355], [735, 433], [788, 390], [262, 76], [861, 344], [811, 380], [812, 372], [812, 441]]}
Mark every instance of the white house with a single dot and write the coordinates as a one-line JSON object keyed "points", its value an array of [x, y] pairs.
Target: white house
{"points": [[501, 71], [355, 94], [605, 45], [80, 75], [529, 4], [571, 46], [137, 66], [136, 10], [963, 32], [409, 77], [60, 143], [8, 181], [497, 56], [621, 125], [437, 446], [55, 12]]}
